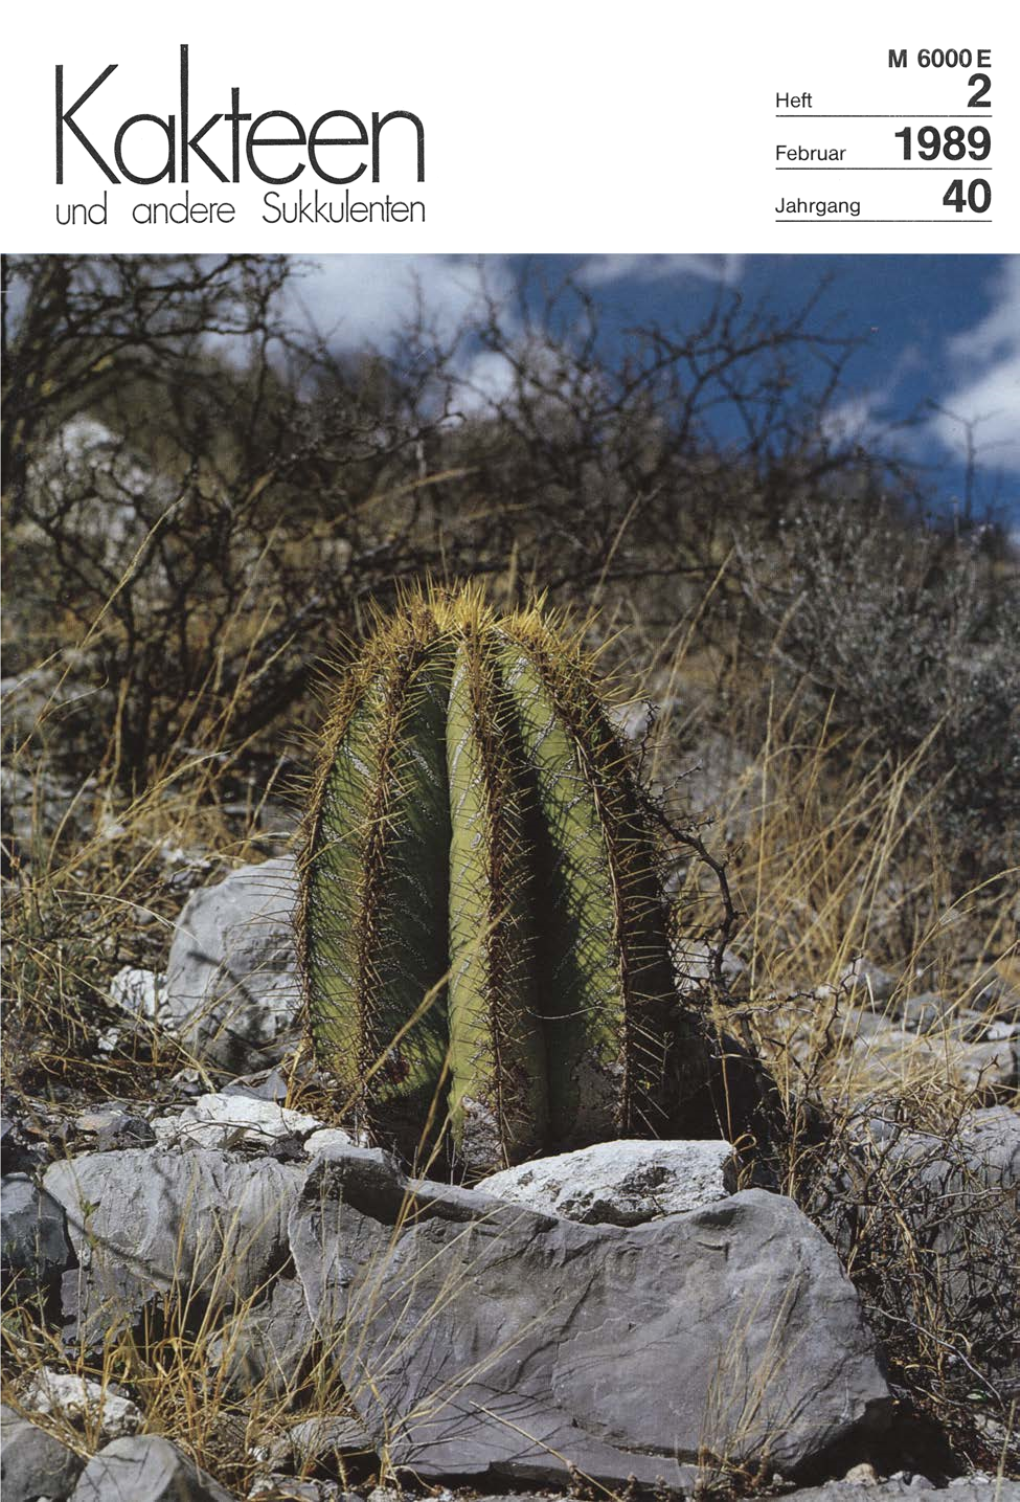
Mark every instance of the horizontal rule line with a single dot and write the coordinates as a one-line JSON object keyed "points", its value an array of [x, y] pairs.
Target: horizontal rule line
{"points": [[980, 167], [814, 115]]}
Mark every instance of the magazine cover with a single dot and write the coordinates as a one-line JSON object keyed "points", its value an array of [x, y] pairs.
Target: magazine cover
{"points": [[511, 762]]}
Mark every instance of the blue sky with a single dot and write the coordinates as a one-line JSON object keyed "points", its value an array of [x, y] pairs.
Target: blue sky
{"points": [[937, 329]]}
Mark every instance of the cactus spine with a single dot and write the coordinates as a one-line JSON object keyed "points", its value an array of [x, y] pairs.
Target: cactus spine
{"points": [[480, 921]]}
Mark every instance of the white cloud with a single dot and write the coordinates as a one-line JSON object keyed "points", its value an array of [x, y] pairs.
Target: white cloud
{"points": [[532, 364], [486, 379], [985, 390], [874, 417], [998, 333], [856, 419], [991, 405], [355, 300], [358, 301], [598, 271]]}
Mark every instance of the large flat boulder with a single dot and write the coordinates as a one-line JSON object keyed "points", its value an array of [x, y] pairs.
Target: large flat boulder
{"points": [[480, 1339]]}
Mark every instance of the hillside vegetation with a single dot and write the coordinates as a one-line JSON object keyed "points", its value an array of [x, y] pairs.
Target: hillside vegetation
{"points": [[821, 684]]}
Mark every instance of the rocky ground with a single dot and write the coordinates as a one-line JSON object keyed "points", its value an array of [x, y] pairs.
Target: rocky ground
{"points": [[624, 1317]]}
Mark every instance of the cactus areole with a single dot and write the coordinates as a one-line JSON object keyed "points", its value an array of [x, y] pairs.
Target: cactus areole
{"points": [[481, 927]]}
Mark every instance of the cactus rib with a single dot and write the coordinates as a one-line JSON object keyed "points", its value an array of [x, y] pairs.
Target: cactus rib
{"points": [[497, 1052], [605, 946], [375, 926]]}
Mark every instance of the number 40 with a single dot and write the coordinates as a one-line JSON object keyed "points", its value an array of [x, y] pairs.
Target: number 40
{"points": [[975, 195]]}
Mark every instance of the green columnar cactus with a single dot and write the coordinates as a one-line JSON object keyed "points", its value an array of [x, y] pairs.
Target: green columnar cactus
{"points": [[481, 926]]}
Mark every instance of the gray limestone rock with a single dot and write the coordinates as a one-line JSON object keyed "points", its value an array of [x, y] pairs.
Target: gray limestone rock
{"points": [[328, 1138], [997, 998], [36, 805], [263, 1084], [915, 1490], [266, 1346], [141, 993], [495, 1341], [142, 1221], [318, 1440], [280, 1488], [693, 966], [33, 1463], [125, 1131], [145, 1468], [953, 1203], [82, 1402], [33, 1233], [21, 1151], [925, 1013], [232, 990], [886, 1054]]}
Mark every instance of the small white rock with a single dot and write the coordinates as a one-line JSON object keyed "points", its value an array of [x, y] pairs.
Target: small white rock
{"points": [[870, 979], [108, 1041], [862, 1475], [329, 1137], [223, 1121], [79, 1398], [140, 992], [619, 1183]]}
